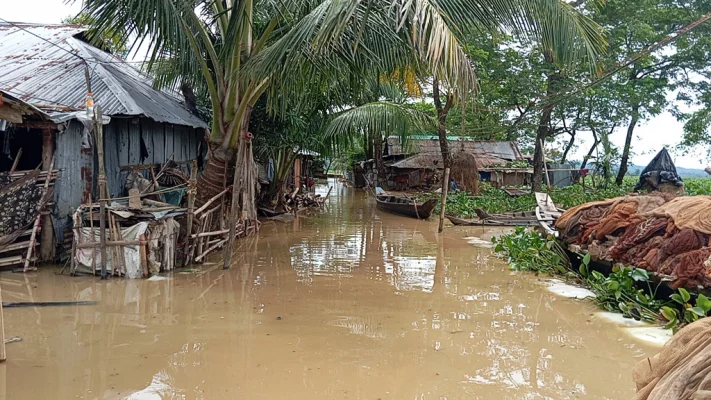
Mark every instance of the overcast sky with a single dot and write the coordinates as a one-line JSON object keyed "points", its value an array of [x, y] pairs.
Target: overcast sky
{"points": [[652, 135]]}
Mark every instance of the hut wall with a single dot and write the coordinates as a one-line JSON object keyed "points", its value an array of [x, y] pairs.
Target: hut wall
{"points": [[122, 148], [131, 142], [76, 181]]}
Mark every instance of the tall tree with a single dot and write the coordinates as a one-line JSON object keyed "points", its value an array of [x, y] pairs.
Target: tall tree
{"points": [[643, 86], [236, 51]]}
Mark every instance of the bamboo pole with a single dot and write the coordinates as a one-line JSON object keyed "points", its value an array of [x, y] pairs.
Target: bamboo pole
{"points": [[16, 161], [445, 190], [142, 254], [93, 237], [103, 192], [205, 234], [192, 191], [72, 256], [207, 203], [3, 355], [46, 246], [111, 243], [234, 210], [102, 237], [211, 248], [36, 226]]}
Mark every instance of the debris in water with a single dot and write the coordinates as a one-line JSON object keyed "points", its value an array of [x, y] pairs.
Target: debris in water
{"points": [[13, 340]]}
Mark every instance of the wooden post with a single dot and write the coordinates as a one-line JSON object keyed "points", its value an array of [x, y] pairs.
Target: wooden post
{"points": [[445, 190], [235, 208], [192, 191], [72, 261], [142, 254], [3, 355], [102, 236], [47, 247], [103, 190]]}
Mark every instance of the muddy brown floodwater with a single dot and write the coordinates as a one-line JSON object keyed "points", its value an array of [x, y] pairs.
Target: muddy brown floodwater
{"points": [[348, 304]]}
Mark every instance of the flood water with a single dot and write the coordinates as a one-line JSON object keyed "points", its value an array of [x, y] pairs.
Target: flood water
{"points": [[351, 303]]}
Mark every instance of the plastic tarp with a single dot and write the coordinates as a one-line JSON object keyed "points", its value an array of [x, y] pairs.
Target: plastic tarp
{"points": [[131, 253], [156, 235], [660, 170]]}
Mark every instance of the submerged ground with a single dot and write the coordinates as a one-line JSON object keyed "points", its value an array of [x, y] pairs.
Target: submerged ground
{"points": [[348, 304]]}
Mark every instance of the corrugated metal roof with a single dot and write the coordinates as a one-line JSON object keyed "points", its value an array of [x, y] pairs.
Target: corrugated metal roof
{"points": [[39, 65], [430, 145]]}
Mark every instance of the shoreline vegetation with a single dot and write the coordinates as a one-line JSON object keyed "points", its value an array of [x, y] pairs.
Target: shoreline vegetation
{"points": [[495, 201]]}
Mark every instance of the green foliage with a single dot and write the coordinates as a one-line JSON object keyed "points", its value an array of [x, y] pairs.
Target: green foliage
{"points": [[697, 186], [626, 290], [531, 251], [682, 311], [621, 292], [495, 201]]}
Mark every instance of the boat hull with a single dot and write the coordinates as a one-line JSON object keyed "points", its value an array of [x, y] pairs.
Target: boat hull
{"points": [[405, 207]]}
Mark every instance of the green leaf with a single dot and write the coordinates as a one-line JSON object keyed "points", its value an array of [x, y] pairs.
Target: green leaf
{"points": [[698, 311], [639, 274], [586, 259], [685, 295], [669, 313], [613, 285], [703, 302], [583, 270], [677, 298], [690, 316]]}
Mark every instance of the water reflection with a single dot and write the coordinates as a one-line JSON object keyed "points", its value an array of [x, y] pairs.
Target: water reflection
{"points": [[351, 304]]}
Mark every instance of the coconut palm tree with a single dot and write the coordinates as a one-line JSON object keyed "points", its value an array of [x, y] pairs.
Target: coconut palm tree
{"points": [[236, 51]]}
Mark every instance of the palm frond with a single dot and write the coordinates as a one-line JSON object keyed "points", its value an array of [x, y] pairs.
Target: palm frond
{"points": [[376, 119]]}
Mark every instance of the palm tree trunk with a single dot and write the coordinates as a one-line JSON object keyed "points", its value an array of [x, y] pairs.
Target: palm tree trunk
{"points": [[218, 173], [628, 144]]}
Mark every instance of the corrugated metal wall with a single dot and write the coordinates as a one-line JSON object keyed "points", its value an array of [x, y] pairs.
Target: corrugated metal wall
{"points": [[122, 144], [561, 175], [122, 147]]}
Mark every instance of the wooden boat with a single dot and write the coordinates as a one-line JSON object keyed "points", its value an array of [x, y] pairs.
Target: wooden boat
{"points": [[518, 218], [547, 213], [405, 206]]}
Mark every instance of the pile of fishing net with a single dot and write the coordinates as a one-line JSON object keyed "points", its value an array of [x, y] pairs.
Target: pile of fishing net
{"points": [[681, 370], [656, 231]]}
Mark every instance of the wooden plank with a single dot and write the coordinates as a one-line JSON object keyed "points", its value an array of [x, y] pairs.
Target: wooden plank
{"points": [[169, 142], [134, 142], [15, 246], [123, 141], [147, 128], [10, 261]]}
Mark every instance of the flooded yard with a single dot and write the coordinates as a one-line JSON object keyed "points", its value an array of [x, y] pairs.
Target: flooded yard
{"points": [[349, 304]]}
